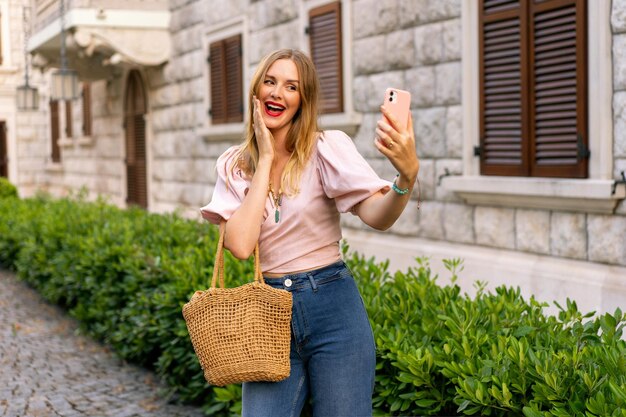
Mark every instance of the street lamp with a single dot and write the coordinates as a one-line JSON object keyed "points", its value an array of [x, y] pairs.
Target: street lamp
{"points": [[26, 95], [64, 81]]}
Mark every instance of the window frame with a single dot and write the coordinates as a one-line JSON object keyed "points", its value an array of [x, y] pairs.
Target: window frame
{"points": [[598, 193], [348, 120], [224, 131]]}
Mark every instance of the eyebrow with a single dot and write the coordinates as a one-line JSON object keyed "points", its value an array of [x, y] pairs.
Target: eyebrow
{"points": [[289, 81]]}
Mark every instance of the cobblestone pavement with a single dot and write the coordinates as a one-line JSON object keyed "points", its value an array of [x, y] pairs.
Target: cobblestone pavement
{"points": [[47, 369]]}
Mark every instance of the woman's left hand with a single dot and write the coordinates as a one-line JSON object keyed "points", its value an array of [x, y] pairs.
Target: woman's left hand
{"points": [[398, 145]]}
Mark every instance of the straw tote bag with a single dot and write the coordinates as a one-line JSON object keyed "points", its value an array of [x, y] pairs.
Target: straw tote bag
{"points": [[240, 334]]}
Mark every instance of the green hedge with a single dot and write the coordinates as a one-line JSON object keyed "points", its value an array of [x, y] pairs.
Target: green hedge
{"points": [[7, 189], [125, 274]]}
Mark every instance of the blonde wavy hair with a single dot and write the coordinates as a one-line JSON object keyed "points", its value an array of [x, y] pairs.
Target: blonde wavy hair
{"points": [[304, 128]]}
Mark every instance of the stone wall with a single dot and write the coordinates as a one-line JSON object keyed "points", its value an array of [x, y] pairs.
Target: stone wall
{"points": [[410, 44]]}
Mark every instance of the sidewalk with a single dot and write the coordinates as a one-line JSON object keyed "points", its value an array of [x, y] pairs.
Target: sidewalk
{"points": [[48, 370]]}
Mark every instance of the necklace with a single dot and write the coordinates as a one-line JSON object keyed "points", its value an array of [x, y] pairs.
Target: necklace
{"points": [[277, 201]]}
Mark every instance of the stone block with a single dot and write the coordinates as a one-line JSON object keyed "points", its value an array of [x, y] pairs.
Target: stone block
{"points": [[420, 82], [448, 83], [412, 12], [262, 42], [187, 39], [568, 235], [188, 15], [409, 222], [607, 239], [454, 132], [430, 217], [374, 17], [218, 11], [495, 227], [452, 40], [427, 180], [166, 96], [444, 167], [379, 83], [361, 90], [264, 14], [383, 168], [619, 62], [428, 44], [618, 16], [369, 55], [533, 231], [619, 117], [429, 127], [458, 223], [400, 47], [364, 138]]}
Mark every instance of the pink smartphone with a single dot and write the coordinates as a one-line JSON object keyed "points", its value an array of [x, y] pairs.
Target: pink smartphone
{"points": [[399, 104]]}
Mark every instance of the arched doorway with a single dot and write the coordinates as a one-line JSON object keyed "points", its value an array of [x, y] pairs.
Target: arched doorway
{"points": [[135, 108]]}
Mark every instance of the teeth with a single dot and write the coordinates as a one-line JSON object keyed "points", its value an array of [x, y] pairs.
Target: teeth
{"points": [[275, 108]]}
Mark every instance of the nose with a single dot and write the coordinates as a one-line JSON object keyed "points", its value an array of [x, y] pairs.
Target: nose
{"points": [[275, 93]]}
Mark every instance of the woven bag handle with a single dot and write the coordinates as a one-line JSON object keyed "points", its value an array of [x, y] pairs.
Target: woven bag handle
{"points": [[218, 267]]}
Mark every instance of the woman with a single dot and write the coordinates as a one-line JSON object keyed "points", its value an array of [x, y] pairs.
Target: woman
{"points": [[285, 187]]}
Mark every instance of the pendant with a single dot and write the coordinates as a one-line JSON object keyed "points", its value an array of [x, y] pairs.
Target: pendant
{"points": [[277, 216]]}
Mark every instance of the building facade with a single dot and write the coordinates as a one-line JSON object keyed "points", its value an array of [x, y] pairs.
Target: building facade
{"points": [[519, 111]]}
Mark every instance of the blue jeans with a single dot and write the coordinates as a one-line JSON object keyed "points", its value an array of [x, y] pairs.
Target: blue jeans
{"points": [[333, 355]]}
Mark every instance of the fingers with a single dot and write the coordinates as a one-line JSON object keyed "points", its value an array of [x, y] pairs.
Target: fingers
{"points": [[390, 117]]}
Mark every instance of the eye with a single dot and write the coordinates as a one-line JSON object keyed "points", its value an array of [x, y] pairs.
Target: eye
{"points": [[268, 82], [292, 87]]}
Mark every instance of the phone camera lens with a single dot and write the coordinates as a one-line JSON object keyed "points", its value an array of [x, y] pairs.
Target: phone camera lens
{"points": [[390, 98]]}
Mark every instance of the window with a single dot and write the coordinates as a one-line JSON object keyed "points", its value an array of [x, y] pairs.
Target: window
{"points": [[225, 64], [533, 88], [54, 132], [86, 109], [68, 119], [325, 45]]}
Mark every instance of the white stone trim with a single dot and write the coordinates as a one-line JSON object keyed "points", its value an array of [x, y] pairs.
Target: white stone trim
{"points": [[587, 196], [594, 286], [600, 116], [348, 121], [232, 27], [85, 141], [4, 35], [122, 19]]}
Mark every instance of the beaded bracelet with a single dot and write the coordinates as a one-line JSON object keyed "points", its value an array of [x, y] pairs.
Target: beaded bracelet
{"points": [[404, 191], [401, 191]]}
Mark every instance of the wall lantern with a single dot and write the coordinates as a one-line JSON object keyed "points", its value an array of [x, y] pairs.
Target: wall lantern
{"points": [[64, 81], [26, 95]]}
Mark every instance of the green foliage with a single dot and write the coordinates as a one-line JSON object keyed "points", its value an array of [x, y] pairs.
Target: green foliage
{"points": [[7, 189], [125, 274]]}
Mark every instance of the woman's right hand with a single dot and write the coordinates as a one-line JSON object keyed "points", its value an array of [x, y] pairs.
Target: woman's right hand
{"points": [[264, 139]]}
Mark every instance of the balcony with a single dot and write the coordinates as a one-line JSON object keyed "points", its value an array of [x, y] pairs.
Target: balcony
{"points": [[101, 36]]}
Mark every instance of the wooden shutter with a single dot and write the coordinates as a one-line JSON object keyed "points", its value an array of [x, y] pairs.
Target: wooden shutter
{"points": [[135, 130], [326, 52], [558, 83], [503, 82], [86, 109], [68, 119], [226, 80], [533, 88], [4, 152], [54, 131]]}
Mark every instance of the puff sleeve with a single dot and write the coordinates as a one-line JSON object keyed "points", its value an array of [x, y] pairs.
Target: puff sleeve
{"points": [[229, 191], [345, 175]]}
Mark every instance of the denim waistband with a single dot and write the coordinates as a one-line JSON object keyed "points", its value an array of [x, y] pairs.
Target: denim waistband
{"points": [[310, 279]]}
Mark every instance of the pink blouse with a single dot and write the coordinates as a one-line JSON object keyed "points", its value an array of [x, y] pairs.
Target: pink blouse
{"points": [[307, 236]]}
